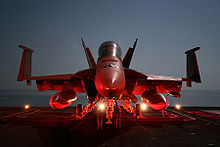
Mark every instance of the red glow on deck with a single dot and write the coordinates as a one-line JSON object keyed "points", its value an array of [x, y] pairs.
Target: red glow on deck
{"points": [[27, 107], [204, 114]]}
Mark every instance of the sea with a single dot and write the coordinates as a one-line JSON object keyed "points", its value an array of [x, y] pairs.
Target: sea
{"points": [[20, 97]]}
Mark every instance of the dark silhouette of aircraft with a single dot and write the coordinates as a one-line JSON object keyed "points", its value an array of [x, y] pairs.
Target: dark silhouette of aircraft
{"points": [[110, 81]]}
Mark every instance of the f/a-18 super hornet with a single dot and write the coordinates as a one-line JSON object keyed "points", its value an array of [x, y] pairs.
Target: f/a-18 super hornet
{"points": [[110, 81]]}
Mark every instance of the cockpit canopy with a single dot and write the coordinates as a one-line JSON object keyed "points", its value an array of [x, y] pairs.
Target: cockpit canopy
{"points": [[109, 48]]}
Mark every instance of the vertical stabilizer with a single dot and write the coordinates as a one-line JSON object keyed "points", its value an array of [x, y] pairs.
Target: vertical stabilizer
{"points": [[192, 67], [89, 56], [25, 66], [127, 59]]}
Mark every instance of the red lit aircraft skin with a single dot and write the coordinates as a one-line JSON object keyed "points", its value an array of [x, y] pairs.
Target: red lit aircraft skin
{"points": [[156, 101], [110, 78], [107, 78], [162, 86], [61, 100]]}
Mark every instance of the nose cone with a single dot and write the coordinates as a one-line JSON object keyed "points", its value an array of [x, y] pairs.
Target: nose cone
{"points": [[110, 78], [110, 82]]}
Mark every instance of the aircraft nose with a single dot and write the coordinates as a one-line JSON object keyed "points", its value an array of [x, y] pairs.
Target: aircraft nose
{"points": [[110, 83], [112, 88], [110, 91]]}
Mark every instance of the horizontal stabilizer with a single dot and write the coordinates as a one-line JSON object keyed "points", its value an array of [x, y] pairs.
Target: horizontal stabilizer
{"points": [[192, 67], [25, 66]]}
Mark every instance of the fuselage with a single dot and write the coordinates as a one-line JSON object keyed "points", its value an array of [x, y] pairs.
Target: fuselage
{"points": [[110, 78]]}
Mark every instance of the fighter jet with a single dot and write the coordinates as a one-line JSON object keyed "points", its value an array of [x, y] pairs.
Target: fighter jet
{"points": [[110, 81]]}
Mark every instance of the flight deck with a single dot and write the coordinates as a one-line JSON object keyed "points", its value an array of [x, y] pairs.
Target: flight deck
{"points": [[43, 126]]}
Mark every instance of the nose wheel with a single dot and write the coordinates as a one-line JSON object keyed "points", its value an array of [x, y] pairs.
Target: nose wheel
{"points": [[109, 110]]}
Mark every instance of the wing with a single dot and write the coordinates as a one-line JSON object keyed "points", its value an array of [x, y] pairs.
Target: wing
{"points": [[159, 84], [138, 82], [64, 81], [80, 82]]}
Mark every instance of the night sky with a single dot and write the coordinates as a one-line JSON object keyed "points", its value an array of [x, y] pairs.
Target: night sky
{"points": [[166, 29]]}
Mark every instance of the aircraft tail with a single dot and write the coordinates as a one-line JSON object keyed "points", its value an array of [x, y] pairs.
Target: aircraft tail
{"points": [[25, 66], [89, 56], [192, 67], [127, 59]]}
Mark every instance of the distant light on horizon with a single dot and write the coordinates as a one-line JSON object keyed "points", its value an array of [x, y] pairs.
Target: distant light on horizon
{"points": [[27, 106], [178, 106]]}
